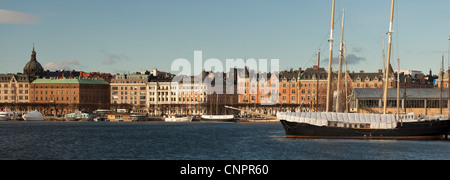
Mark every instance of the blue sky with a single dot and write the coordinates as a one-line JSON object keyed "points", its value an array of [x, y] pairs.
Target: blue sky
{"points": [[136, 35]]}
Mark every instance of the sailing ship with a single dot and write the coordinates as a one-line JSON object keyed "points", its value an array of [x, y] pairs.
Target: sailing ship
{"points": [[362, 126], [217, 117], [332, 125]]}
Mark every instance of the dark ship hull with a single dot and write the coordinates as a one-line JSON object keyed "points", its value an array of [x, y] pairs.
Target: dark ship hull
{"points": [[433, 130]]}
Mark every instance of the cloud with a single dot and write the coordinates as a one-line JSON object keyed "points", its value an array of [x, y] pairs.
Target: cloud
{"points": [[113, 58], [66, 65], [445, 19], [109, 62], [13, 17], [357, 49], [352, 59]]}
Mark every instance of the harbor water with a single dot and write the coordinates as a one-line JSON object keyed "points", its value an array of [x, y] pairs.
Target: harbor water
{"points": [[194, 141]]}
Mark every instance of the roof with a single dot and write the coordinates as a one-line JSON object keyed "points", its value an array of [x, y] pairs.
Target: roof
{"points": [[33, 66], [411, 93], [363, 76], [70, 81], [18, 77], [311, 74]]}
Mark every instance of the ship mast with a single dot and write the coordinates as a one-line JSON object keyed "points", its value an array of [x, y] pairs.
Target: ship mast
{"points": [[329, 95], [341, 54], [448, 82], [345, 79], [317, 85], [388, 59], [441, 75]]}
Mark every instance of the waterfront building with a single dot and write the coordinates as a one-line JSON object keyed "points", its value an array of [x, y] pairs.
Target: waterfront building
{"points": [[442, 80], [131, 89], [408, 79], [65, 95], [313, 81], [14, 88], [367, 80], [176, 97], [161, 98], [420, 101]]}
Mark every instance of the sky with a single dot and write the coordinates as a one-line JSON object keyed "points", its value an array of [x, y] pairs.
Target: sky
{"points": [[118, 36]]}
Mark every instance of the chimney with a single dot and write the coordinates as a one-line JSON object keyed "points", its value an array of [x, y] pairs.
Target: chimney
{"points": [[299, 69], [380, 71], [362, 71], [315, 67]]}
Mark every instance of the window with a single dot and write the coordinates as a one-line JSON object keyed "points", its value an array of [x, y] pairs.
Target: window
{"points": [[436, 104], [415, 103], [368, 103], [392, 104]]}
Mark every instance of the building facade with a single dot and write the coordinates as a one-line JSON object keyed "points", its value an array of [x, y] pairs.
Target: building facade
{"points": [[14, 88], [131, 89], [420, 101]]}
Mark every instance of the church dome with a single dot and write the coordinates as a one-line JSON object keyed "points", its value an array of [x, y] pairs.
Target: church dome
{"points": [[33, 67]]}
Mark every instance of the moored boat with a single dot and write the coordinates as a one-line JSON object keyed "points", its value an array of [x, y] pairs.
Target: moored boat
{"points": [[33, 116], [6, 116], [171, 118], [362, 126], [220, 118]]}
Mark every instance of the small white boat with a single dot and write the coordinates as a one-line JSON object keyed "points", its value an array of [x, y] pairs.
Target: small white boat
{"points": [[179, 118], [33, 116], [6, 116], [218, 117]]}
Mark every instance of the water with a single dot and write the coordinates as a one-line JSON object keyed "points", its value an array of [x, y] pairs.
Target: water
{"points": [[193, 141]]}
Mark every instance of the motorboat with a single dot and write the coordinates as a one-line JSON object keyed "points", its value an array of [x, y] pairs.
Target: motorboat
{"points": [[171, 118], [33, 116]]}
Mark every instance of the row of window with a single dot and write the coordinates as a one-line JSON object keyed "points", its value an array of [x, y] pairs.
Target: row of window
{"points": [[166, 99], [13, 85], [13, 97], [131, 88], [14, 91]]}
